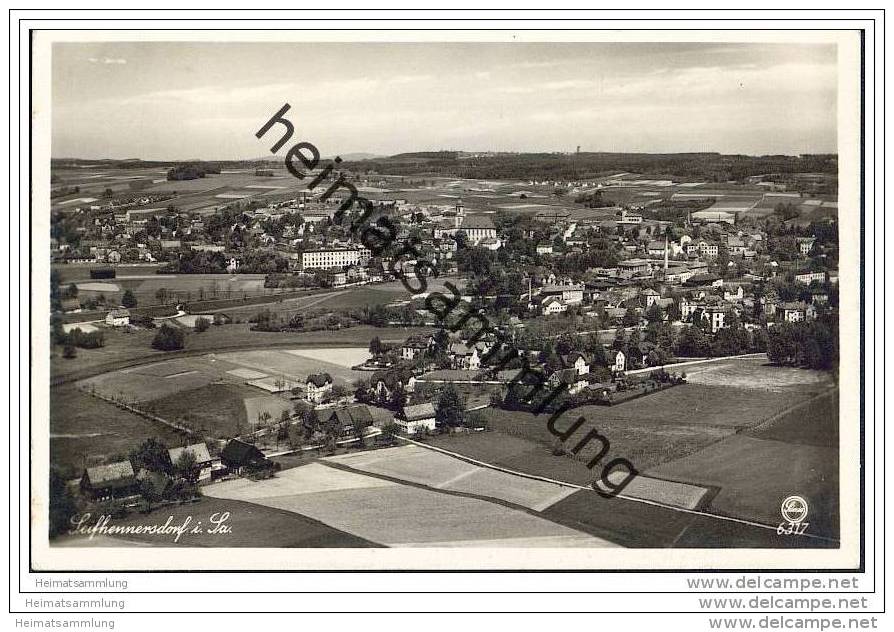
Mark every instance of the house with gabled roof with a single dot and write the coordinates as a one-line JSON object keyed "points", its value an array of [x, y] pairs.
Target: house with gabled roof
{"points": [[114, 480], [573, 381], [118, 317], [348, 418], [239, 455], [415, 346], [464, 357], [203, 460], [578, 362], [318, 386], [617, 361], [417, 418], [553, 305]]}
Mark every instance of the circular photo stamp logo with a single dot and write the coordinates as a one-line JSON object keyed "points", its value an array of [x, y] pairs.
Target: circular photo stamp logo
{"points": [[794, 509]]}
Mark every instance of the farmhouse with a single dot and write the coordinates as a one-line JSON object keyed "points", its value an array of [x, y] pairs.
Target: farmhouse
{"points": [[115, 480], [118, 318], [199, 451], [238, 454], [418, 418], [318, 385], [348, 419], [156, 483]]}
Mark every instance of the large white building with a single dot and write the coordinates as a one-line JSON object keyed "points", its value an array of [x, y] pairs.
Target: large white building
{"points": [[334, 258]]}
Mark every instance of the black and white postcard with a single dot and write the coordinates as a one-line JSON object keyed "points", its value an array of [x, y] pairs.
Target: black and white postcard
{"points": [[446, 300]]}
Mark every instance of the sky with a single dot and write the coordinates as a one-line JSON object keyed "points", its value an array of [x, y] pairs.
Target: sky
{"points": [[177, 101]]}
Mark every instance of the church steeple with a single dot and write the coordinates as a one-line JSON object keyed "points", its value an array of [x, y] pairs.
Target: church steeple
{"points": [[665, 254], [460, 212]]}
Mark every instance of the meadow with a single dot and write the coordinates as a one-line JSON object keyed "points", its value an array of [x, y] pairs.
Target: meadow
{"points": [[86, 431], [398, 514], [753, 434]]}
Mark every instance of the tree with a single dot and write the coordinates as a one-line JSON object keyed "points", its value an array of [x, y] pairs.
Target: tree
{"points": [[128, 300], [476, 420], [633, 353], [398, 398], [185, 467], [161, 295], [310, 420], [620, 341], [264, 418], [69, 352], [61, 504], [168, 338], [339, 391], [450, 408], [202, 324], [296, 437], [722, 259], [673, 312], [599, 357], [654, 313], [358, 428], [390, 430], [692, 342], [376, 348], [152, 455]]}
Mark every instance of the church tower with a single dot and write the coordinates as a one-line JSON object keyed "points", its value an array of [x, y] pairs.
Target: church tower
{"points": [[460, 212], [665, 255]]}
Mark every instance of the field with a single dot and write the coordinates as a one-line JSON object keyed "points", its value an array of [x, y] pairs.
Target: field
{"points": [[396, 514], [85, 430], [750, 434], [130, 347], [218, 409], [425, 467], [199, 387], [145, 285], [221, 392], [202, 194]]}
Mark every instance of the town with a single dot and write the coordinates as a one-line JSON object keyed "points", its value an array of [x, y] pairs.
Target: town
{"points": [[218, 326]]}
